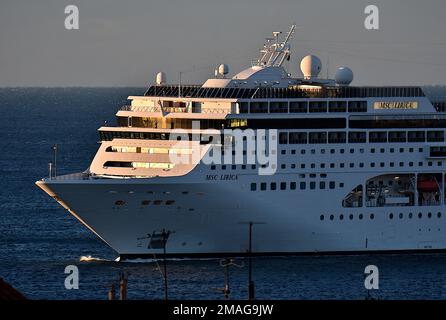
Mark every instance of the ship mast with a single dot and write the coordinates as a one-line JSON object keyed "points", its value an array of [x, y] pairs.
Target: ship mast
{"points": [[273, 53]]}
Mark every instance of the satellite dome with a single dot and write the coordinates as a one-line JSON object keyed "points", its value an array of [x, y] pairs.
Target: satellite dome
{"points": [[160, 78], [310, 66], [344, 76], [223, 69]]}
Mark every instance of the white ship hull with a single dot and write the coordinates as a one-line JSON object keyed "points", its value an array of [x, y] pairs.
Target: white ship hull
{"points": [[210, 220]]}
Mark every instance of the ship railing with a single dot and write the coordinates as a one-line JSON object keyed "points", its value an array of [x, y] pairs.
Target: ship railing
{"points": [[141, 108], [72, 176]]}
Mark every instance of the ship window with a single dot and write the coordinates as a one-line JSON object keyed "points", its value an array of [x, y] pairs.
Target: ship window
{"points": [[119, 202], [401, 216], [377, 136], [298, 107], [157, 202], [322, 217], [391, 216], [322, 185], [341, 217], [145, 202], [298, 138], [170, 202], [336, 137], [332, 184], [293, 185], [273, 186], [429, 215], [318, 137], [420, 215], [357, 137], [416, 136], [253, 186], [439, 214], [312, 185], [332, 217], [303, 185], [337, 106], [361, 216], [357, 106], [283, 137], [278, 107], [372, 216], [351, 217], [318, 106], [263, 186]]}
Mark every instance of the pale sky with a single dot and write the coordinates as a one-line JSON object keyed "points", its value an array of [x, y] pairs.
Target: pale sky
{"points": [[125, 43]]}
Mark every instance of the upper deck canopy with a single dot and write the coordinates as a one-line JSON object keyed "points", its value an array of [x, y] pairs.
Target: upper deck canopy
{"points": [[295, 92]]}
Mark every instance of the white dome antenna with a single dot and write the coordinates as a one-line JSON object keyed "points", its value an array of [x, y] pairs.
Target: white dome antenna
{"points": [[344, 76], [160, 78], [223, 70], [311, 67]]}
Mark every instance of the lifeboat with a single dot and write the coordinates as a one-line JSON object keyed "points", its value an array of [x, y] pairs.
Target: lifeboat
{"points": [[427, 185]]}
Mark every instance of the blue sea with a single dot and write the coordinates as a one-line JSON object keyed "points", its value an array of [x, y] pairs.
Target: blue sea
{"points": [[38, 238]]}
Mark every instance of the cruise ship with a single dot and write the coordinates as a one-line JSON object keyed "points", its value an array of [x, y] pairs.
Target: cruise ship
{"points": [[310, 164]]}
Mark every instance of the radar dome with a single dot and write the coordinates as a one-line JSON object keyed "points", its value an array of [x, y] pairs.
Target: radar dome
{"points": [[160, 78], [344, 76], [310, 66], [223, 69]]}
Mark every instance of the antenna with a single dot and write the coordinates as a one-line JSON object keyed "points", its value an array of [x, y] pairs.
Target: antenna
{"points": [[274, 53]]}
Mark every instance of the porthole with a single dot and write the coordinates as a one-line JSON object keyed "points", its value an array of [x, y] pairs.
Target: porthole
{"points": [[429, 215], [361, 216], [341, 217], [439, 214], [410, 215], [322, 217], [391, 216], [351, 217], [332, 217], [401, 216], [372, 216], [420, 215]]}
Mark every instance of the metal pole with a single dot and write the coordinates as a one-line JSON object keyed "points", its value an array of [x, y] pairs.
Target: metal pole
{"points": [[165, 264], [250, 282], [55, 160], [50, 169]]}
